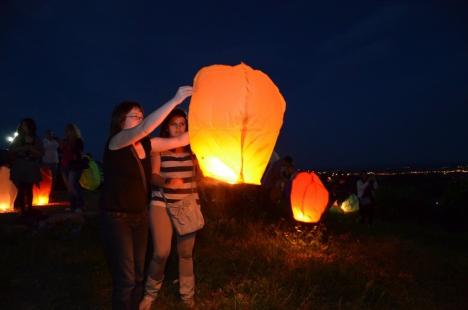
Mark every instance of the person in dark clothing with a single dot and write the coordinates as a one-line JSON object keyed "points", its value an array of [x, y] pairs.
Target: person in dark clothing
{"points": [[366, 187], [126, 193], [276, 180], [26, 150]]}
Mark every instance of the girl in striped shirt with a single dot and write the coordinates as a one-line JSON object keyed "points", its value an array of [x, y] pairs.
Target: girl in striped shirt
{"points": [[174, 173]]}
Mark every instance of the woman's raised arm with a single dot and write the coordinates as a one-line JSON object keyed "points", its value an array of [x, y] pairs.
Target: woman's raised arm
{"points": [[129, 136], [159, 144]]}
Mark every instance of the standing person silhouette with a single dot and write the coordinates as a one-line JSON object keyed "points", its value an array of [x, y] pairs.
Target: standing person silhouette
{"points": [[27, 150]]}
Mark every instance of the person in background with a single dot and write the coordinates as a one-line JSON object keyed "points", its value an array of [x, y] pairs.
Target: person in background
{"points": [[26, 150], [278, 176], [72, 165], [366, 187], [50, 158]]}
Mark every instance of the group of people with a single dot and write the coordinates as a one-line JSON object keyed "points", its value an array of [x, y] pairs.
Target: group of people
{"points": [[29, 154], [143, 176]]}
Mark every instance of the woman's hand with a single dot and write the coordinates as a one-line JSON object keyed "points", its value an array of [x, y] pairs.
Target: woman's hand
{"points": [[182, 93]]}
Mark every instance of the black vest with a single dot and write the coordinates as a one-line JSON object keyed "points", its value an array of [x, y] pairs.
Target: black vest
{"points": [[123, 188]]}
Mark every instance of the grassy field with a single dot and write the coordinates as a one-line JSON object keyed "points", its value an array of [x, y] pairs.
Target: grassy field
{"points": [[247, 260]]}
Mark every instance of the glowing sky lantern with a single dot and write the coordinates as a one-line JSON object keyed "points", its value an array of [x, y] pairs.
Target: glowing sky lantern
{"points": [[235, 117], [41, 193], [351, 204], [7, 191], [309, 198]]}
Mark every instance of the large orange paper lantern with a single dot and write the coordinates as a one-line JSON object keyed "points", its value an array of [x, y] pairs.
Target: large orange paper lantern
{"points": [[7, 191], [41, 193], [235, 117], [309, 198]]}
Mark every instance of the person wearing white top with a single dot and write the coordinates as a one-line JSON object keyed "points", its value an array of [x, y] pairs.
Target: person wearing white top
{"points": [[50, 158], [366, 187]]}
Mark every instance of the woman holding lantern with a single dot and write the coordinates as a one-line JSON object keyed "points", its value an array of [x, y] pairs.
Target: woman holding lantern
{"points": [[174, 174], [125, 195]]}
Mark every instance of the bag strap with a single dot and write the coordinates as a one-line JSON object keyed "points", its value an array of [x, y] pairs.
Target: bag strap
{"points": [[140, 166], [163, 196]]}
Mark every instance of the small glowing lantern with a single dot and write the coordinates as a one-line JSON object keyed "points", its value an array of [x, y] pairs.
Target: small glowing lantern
{"points": [[309, 198], [41, 193], [7, 191], [235, 117], [351, 204]]}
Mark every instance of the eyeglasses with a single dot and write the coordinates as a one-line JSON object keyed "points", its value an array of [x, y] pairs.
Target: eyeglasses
{"points": [[137, 117], [180, 124]]}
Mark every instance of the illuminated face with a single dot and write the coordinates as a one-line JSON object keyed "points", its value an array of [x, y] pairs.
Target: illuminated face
{"points": [[132, 118], [177, 126]]}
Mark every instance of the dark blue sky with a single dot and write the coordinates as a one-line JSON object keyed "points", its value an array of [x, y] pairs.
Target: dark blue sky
{"points": [[367, 83]]}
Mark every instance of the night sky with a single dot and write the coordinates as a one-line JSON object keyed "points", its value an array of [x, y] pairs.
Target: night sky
{"points": [[368, 84]]}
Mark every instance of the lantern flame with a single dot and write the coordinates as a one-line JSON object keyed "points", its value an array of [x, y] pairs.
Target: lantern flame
{"points": [[41, 200], [219, 170], [301, 217], [7, 191], [5, 208], [41, 193]]}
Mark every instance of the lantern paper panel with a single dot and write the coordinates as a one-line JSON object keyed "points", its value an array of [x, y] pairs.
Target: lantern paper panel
{"points": [[41, 193], [8, 191], [235, 117], [309, 197]]}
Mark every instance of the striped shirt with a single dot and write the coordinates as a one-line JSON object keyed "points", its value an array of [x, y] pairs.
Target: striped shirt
{"points": [[175, 166]]}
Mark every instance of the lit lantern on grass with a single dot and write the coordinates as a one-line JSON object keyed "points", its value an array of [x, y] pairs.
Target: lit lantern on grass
{"points": [[351, 204], [7, 191], [41, 193], [235, 117], [309, 198]]}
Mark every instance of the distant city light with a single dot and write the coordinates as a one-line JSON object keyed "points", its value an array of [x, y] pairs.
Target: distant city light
{"points": [[10, 139]]}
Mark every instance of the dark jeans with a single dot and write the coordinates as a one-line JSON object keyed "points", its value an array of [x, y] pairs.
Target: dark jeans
{"points": [[125, 238], [72, 182], [24, 197], [366, 212]]}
